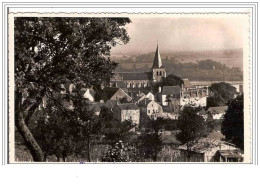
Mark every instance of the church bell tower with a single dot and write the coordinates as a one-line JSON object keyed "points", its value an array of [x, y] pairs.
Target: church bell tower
{"points": [[158, 70]]}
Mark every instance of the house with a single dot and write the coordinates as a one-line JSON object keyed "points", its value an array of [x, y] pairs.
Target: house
{"points": [[228, 156], [96, 107], [113, 93], [88, 94], [127, 111], [169, 96], [217, 112], [206, 149], [149, 96], [111, 104], [150, 107], [193, 96], [168, 113]]}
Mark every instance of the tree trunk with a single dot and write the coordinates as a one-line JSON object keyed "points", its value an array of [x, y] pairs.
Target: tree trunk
{"points": [[88, 149], [29, 140], [45, 157]]}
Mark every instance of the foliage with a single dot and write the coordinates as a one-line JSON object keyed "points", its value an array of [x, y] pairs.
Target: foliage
{"points": [[191, 126], [120, 153], [170, 80], [50, 51], [222, 93], [52, 130], [233, 122], [150, 141]]}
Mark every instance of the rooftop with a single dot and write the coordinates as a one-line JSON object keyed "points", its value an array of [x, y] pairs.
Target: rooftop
{"points": [[216, 110], [230, 153], [171, 90], [128, 106], [136, 75]]}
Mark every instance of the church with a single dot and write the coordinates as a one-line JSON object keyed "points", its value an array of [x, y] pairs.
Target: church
{"points": [[140, 79]]}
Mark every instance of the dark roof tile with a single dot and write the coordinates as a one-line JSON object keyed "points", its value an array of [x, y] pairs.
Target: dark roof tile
{"points": [[171, 90]]}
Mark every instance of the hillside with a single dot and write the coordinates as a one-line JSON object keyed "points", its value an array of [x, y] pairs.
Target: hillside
{"points": [[201, 65]]}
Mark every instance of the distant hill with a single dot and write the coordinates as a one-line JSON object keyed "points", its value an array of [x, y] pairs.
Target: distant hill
{"points": [[231, 58], [196, 65]]}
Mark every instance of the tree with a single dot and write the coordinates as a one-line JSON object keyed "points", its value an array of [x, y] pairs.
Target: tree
{"points": [[233, 122], [192, 128], [52, 129], [150, 141], [49, 51], [86, 127], [170, 80], [222, 93]]}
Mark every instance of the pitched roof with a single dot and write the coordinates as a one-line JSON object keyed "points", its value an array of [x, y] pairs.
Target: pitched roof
{"points": [[216, 110], [157, 62], [108, 92], [96, 106], [91, 92], [111, 103], [230, 153], [136, 75], [127, 106], [171, 90], [144, 102]]}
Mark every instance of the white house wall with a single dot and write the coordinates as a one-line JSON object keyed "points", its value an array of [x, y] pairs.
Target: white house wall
{"points": [[195, 102]]}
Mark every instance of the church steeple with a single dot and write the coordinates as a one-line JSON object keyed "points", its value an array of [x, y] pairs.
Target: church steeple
{"points": [[157, 62], [158, 70]]}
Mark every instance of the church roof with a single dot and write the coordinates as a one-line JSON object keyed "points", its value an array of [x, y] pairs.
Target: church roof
{"points": [[157, 62], [136, 75], [171, 90]]}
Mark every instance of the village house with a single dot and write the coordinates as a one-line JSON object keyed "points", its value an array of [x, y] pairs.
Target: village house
{"points": [[217, 112], [150, 108], [88, 94], [169, 96], [228, 156], [127, 111], [96, 107], [111, 104], [149, 96], [208, 150], [168, 113], [113, 93]]}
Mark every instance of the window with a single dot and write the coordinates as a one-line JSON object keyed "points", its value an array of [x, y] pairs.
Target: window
{"points": [[160, 73], [157, 73], [148, 111], [130, 117]]}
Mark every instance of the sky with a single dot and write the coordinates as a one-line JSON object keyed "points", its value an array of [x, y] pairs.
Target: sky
{"points": [[183, 34]]}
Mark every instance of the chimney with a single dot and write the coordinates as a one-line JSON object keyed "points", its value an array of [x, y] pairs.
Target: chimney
{"points": [[181, 86], [160, 89]]}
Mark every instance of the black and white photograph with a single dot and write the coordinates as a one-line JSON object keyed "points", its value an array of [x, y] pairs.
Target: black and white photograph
{"points": [[129, 88]]}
